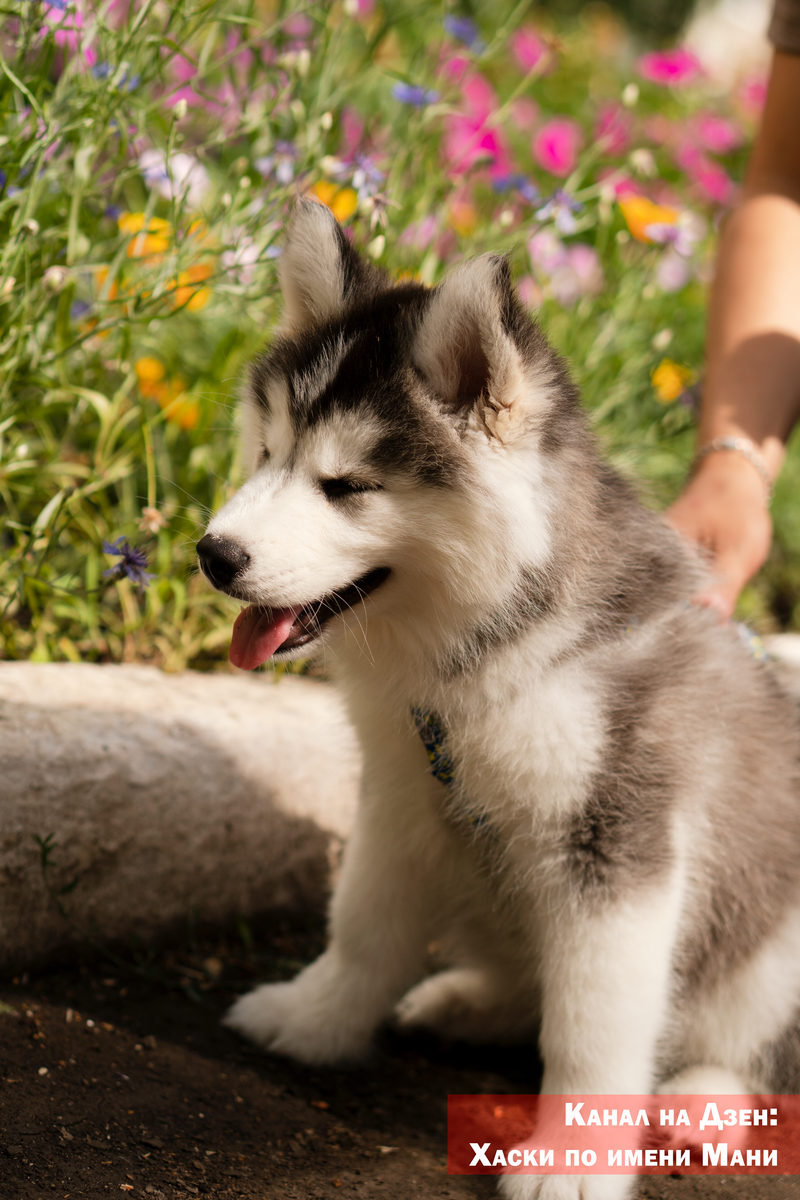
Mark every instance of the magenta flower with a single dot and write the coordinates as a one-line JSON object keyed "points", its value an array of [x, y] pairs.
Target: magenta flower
{"points": [[557, 144], [470, 138], [753, 95], [528, 48], [455, 67], [716, 134], [711, 178], [613, 128], [352, 127], [68, 26], [670, 67]]}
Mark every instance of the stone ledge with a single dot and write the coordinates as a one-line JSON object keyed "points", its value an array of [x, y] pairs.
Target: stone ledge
{"points": [[167, 795]]}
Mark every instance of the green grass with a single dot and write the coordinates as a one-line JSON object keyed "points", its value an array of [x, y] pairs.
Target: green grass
{"points": [[128, 311]]}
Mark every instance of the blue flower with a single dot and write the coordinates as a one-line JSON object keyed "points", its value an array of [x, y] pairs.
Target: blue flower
{"points": [[132, 566], [103, 70], [466, 31], [417, 97]]}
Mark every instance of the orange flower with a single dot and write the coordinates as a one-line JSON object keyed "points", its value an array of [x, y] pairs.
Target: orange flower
{"points": [[639, 212], [463, 217], [150, 375], [100, 276]]}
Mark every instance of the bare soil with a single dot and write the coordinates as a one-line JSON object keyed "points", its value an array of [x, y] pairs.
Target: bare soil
{"points": [[113, 1082]]}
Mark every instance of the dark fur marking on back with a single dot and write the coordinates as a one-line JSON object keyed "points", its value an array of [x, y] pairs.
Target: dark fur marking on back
{"points": [[620, 838]]}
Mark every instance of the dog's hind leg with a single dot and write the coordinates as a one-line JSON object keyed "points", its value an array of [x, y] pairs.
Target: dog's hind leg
{"points": [[396, 865], [476, 1004]]}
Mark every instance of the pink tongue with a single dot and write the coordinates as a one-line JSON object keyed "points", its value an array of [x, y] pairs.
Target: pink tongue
{"points": [[257, 634]]}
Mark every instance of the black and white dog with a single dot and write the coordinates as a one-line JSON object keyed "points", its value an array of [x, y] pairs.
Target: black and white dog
{"points": [[608, 845]]}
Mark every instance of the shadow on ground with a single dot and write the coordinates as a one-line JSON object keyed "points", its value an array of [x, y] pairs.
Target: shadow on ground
{"points": [[111, 1082]]}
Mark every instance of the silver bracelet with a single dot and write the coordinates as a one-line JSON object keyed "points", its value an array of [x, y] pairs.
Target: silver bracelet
{"points": [[747, 449]]}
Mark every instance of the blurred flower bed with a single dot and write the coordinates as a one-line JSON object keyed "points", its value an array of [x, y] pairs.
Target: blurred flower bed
{"points": [[148, 152]]}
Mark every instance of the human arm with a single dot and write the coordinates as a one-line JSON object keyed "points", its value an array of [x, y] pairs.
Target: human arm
{"points": [[752, 387]]}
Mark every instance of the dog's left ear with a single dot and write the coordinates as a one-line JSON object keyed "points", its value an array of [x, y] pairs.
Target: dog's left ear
{"points": [[465, 351]]}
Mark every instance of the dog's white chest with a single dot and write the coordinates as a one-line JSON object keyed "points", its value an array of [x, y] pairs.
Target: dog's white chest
{"points": [[537, 746]]}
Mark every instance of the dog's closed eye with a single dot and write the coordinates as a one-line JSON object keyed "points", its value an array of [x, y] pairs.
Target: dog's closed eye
{"points": [[338, 489]]}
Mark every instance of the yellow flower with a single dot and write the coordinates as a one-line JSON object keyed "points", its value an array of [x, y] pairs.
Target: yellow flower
{"points": [[639, 212], [154, 239], [670, 380], [185, 294], [341, 201]]}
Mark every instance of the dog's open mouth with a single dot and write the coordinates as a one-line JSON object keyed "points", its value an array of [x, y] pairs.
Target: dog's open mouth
{"points": [[258, 633]]}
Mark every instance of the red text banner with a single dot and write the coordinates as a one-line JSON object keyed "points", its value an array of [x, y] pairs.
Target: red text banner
{"points": [[624, 1135]]}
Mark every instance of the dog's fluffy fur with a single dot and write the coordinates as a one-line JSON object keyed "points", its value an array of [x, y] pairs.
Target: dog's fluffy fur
{"points": [[631, 887]]}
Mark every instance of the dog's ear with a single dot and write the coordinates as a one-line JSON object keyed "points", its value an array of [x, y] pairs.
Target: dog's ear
{"points": [[319, 271], [464, 348]]}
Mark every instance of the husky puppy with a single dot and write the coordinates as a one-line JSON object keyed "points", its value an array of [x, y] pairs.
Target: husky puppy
{"points": [[575, 780]]}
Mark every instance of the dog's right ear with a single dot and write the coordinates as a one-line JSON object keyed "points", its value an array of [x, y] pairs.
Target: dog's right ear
{"points": [[320, 272]]}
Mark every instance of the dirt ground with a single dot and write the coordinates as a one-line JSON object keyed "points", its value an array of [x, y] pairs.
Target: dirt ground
{"points": [[111, 1082]]}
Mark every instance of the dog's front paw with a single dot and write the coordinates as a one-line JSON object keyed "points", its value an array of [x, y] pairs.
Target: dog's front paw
{"points": [[566, 1187], [310, 1019]]}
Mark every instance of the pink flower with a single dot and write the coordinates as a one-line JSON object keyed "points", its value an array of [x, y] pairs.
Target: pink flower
{"points": [[528, 48], [670, 67], [672, 272], [69, 29], [455, 67], [470, 138], [419, 235], [556, 146], [613, 128], [660, 129], [711, 178], [622, 185], [352, 127], [717, 134], [530, 293], [479, 95], [547, 252], [524, 113], [753, 96]]}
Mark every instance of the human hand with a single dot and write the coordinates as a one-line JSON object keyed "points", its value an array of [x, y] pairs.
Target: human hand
{"points": [[723, 509]]}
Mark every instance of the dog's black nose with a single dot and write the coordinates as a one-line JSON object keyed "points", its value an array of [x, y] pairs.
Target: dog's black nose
{"points": [[221, 560]]}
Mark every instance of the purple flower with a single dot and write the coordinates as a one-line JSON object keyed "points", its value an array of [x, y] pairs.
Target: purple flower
{"points": [[518, 183], [669, 235], [132, 566], [561, 207], [279, 165], [466, 31], [417, 97]]}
